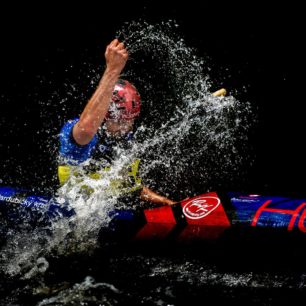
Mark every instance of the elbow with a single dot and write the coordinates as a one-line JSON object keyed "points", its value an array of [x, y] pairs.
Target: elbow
{"points": [[83, 133], [88, 132]]}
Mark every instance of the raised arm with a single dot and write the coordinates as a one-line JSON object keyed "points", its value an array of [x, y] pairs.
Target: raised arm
{"points": [[94, 113]]}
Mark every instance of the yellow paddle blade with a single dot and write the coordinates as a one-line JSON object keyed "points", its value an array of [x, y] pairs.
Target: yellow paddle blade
{"points": [[220, 92]]}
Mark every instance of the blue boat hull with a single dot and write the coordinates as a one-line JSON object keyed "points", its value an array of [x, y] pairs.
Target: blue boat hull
{"points": [[205, 217]]}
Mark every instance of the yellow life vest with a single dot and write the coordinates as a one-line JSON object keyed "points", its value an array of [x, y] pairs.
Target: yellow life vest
{"points": [[129, 182]]}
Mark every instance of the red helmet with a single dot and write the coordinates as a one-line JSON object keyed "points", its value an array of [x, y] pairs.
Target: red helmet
{"points": [[125, 102]]}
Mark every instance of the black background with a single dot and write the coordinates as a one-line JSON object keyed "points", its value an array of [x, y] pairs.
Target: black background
{"points": [[256, 52]]}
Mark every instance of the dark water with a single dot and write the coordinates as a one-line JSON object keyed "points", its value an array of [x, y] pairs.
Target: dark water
{"points": [[158, 275], [194, 142]]}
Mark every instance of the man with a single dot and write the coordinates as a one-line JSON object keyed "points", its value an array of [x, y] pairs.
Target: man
{"points": [[114, 105]]}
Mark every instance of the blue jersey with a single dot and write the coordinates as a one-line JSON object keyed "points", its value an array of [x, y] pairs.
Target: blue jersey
{"points": [[70, 151], [100, 153]]}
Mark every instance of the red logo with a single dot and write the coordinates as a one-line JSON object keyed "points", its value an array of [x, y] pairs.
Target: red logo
{"points": [[200, 207]]}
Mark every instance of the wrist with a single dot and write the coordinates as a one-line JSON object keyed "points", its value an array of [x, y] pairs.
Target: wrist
{"points": [[113, 72]]}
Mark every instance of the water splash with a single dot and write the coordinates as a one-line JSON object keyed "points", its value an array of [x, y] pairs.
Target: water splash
{"points": [[87, 292], [189, 142]]}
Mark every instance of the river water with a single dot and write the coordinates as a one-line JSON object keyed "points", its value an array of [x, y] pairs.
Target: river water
{"points": [[189, 143]]}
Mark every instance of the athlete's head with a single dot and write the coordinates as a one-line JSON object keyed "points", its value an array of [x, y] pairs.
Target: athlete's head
{"points": [[124, 108], [125, 104]]}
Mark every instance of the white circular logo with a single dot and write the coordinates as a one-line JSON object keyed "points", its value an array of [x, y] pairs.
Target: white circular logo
{"points": [[200, 207]]}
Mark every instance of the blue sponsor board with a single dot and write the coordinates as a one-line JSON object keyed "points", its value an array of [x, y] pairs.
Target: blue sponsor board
{"points": [[18, 205], [268, 211]]}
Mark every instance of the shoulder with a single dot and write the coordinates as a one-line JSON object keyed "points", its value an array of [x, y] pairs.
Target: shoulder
{"points": [[68, 125], [69, 149], [66, 130]]}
